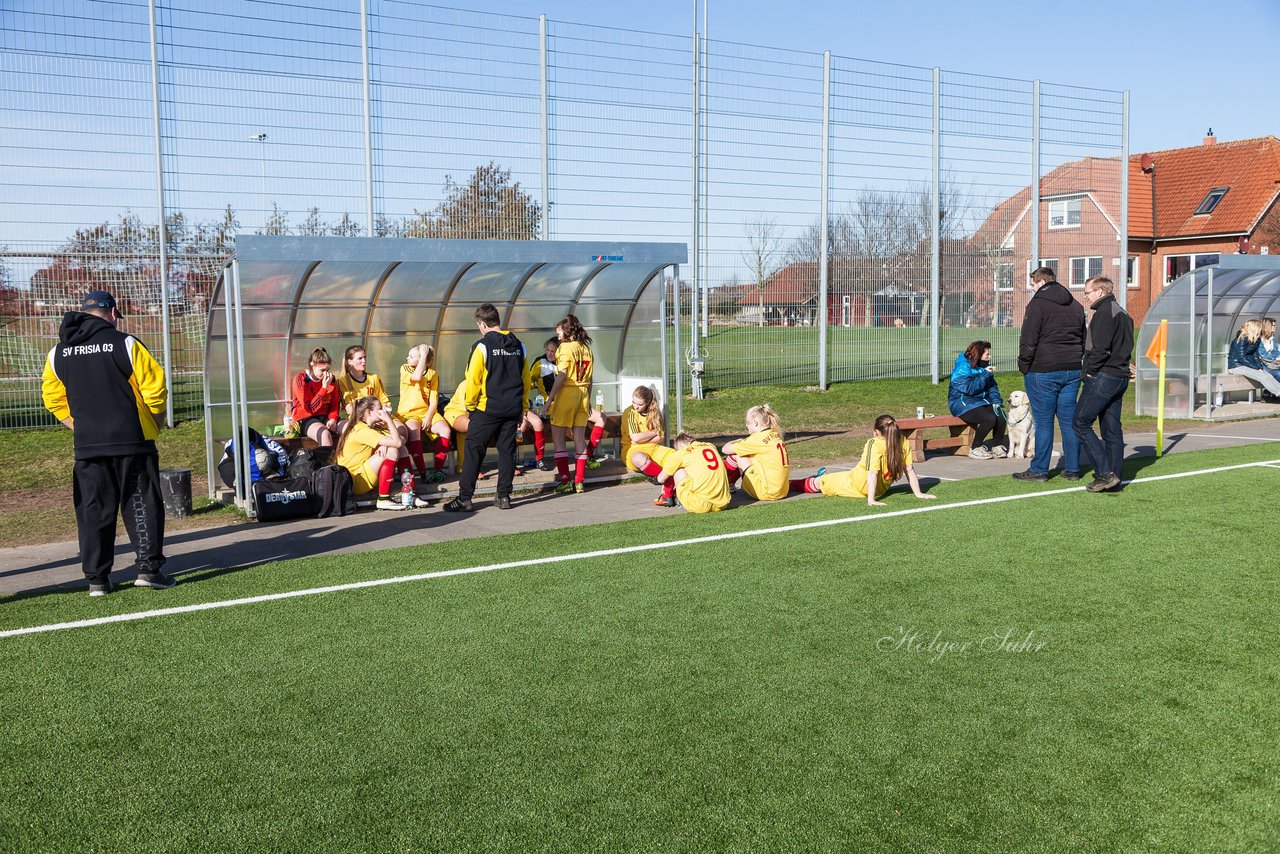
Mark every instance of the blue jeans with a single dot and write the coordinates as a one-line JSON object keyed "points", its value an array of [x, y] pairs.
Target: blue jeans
{"points": [[1101, 399], [1054, 394]]}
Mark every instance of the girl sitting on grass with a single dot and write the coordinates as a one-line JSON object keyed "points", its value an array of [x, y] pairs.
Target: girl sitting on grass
{"points": [[886, 458], [642, 448], [761, 458], [370, 447]]}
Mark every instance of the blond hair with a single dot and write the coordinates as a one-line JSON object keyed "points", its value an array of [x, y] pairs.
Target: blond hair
{"points": [[1251, 330], [764, 414]]}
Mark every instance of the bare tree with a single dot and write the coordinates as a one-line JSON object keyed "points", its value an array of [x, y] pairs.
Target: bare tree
{"points": [[764, 253]]}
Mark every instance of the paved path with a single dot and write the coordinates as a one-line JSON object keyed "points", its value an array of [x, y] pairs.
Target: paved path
{"points": [[56, 566]]}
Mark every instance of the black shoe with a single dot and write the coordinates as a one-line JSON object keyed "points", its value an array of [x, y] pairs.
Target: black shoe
{"points": [[502, 502], [155, 580], [1102, 483], [543, 465], [665, 501], [1031, 476], [457, 505], [1071, 475]]}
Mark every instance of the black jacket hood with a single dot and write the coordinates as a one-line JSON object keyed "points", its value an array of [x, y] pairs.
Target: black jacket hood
{"points": [[78, 327], [1055, 293]]}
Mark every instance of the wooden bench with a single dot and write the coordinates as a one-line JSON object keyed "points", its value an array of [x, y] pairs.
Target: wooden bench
{"points": [[960, 438], [1229, 383]]}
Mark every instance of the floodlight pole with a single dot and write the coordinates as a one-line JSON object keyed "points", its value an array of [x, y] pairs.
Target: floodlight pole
{"points": [[162, 234]]}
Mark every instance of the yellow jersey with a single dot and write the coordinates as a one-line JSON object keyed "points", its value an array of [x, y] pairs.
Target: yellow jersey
{"points": [[705, 488], [357, 448], [853, 484], [457, 404], [418, 398], [353, 391], [574, 360], [635, 422], [768, 477]]}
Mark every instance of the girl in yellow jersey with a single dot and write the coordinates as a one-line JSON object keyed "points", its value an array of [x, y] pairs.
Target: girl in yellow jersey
{"points": [[761, 458], [885, 459], [355, 382], [419, 397], [642, 448], [695, 472], [369, 448], [568, 407]]}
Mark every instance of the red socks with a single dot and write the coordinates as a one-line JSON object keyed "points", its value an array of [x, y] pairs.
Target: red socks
{"points": [[731, 469], [562, 464], [597, 432], [669, 488], [442, 451], [539, 443], [580, 470], [651, 469], [386, 474], [415, 451], [805, 484]]}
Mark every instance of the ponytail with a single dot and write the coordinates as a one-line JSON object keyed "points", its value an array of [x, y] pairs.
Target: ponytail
{"points": [[359, 411], [764, 414], [893, 458], [574, 330], [651, 413]]}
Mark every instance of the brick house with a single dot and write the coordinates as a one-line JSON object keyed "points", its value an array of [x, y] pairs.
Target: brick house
{"points": [[1186, 207]]}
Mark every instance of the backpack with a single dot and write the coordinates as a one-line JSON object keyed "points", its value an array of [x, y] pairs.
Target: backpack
{"points": [[334, 491], [268, 459], [303, 463]]}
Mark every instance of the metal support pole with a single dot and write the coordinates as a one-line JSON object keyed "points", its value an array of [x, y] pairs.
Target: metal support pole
{"points": [[666, 365], [696, 215], [1208, 350], [1191, 349], [675, 325], [545, 143], [250, 509], [1035, 174], [706, 176], [1124, 203], [935, 237], [228, 314], [162, 233], [824, 248], [368, 119]]}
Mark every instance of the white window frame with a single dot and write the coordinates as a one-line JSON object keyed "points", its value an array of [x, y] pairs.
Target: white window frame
{"points": [[1064, 205], [1071, 270], [1132, 284], [1044, 262], [1194, 265], [1009, 266]]}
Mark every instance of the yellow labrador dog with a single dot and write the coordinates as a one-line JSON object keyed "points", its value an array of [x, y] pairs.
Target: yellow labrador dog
{"points": [[1022, 426]]}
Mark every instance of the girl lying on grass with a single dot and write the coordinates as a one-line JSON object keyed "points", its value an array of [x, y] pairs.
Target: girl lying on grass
{"points": [[886, 459]]}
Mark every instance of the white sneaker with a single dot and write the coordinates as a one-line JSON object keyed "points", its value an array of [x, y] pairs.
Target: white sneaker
{"points": [[388, 504], [999, 452], [418, 503], [979, 453]]}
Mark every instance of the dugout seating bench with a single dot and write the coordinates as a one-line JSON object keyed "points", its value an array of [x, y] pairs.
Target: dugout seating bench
{"points": [[612, 430], [1231, 383], [960, 435]]}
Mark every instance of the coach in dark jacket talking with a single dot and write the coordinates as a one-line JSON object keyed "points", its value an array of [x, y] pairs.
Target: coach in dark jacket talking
{"points": [[1050, 349], [1107, 354]]}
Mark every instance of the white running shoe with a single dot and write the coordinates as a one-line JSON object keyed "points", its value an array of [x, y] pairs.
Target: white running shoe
{"points": [[999, 452], [388, 504], [980, 453]]}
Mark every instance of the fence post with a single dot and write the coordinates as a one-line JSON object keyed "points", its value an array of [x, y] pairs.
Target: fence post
{"points": [[823, 218], [1035, 177], [675, 326], [935, 237], [696, 217], [162, 232], [1124, 201], [368, 118], [545, 139]]}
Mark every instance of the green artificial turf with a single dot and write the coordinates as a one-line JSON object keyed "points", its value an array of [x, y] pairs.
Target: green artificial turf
{"points": [[744, 693]]}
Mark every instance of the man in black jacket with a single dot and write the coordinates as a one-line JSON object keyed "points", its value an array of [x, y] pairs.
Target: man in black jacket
{"points": [[1050, 348], [105, 386], [497, 389], [1108, 351]]}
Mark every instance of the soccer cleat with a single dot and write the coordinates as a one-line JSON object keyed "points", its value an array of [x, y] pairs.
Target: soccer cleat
{"points": [[579, 487], [518, 471], [564, 487], [1071, 475], [419, 503], [482, 475], [593, 463], [103, 589], [388, 504], [154, 580], [1029, 475], [543, 465], [1102, 483], [457, 505], [979, 453], [664, 501], [821, 472], [502, 502]]}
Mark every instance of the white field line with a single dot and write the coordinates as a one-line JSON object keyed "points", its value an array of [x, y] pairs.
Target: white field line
{"points": [[1224, 436], [358, 585]]}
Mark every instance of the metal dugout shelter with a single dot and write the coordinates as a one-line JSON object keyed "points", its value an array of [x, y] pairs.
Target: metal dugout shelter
{"points": [[286, 296], [1205, 308]]}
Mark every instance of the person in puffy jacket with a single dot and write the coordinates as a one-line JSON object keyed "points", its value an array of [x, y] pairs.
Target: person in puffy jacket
{"points": [[1243, 358], [975, 398]]}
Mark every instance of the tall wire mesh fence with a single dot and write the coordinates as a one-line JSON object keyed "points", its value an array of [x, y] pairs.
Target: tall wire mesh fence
{"points": [[418, 120]]}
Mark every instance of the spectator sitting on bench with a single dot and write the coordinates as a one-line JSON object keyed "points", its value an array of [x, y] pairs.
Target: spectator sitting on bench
{"points": [[975, 399], [1268, 349], [1243, 359]]}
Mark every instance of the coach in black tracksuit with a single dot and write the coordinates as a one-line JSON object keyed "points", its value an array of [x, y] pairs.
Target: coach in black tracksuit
{"points": [[497, 389], [1108, 352], [105, 386]]}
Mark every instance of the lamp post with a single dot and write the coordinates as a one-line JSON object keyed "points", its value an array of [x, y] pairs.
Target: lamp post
{"points": [[261, 139]]}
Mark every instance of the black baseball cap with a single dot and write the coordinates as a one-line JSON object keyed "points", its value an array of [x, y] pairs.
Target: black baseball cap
{"points": [[98, 299]]}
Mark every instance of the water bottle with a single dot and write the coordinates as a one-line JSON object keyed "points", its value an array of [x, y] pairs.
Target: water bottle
{"points": [[1217, 396], [406, 489], [600, 400], [539, 401]]}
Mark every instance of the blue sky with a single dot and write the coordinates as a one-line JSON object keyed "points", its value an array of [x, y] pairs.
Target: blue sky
{"points": [[1189, 64]]}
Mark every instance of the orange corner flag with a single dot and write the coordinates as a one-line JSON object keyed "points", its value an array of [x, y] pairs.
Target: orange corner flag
{"points": [[1159, 344]]}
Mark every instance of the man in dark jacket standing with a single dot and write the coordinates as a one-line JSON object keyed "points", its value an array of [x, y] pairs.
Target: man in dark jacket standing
{"points": [[105, 386], [1050, 348], [497, 389], [1108, 351]]}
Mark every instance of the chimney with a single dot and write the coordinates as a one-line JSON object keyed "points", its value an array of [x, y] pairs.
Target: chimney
{"points": [[1210, 139]]}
